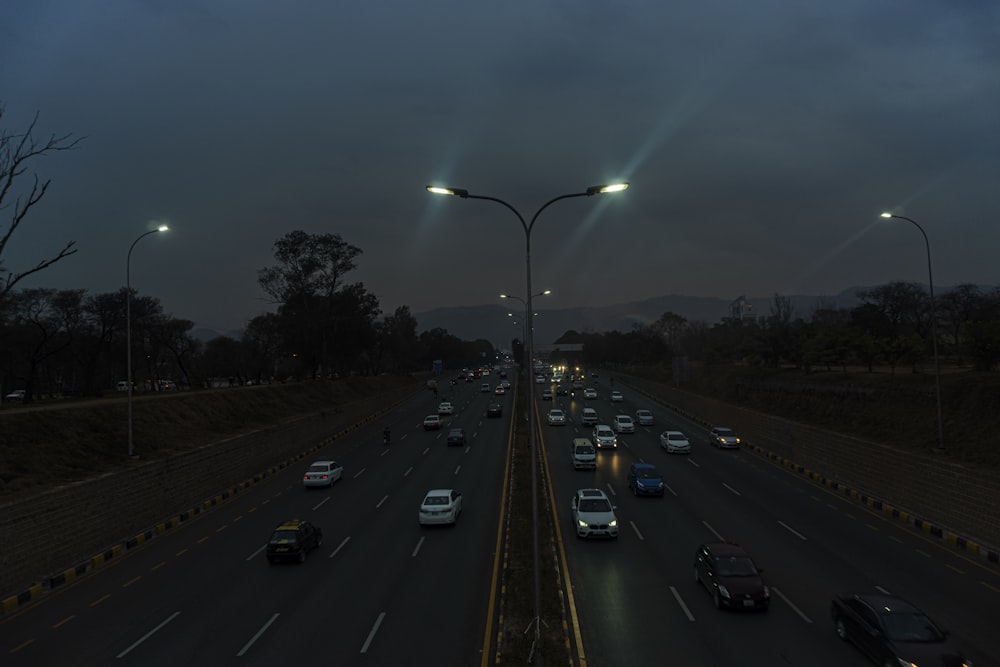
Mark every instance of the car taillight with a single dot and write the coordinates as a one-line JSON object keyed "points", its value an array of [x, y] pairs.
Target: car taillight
{"points": [[324, 476]]}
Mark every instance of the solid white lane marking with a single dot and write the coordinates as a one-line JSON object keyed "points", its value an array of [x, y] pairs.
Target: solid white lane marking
{"points": [[359, 473], [371, 635], [789, 603], [148, 634], [636, 529], [792, 530], [263, 629], [339, 546], [714, 532], [732, 489], [684, 608], [384, 498], [321, 503], [420, 543]]}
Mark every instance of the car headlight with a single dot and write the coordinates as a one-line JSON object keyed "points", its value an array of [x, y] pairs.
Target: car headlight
{"points": [[723, 592], [581, 523], [613, 523]]}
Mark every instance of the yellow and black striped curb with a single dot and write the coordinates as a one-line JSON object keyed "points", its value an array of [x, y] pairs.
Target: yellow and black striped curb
{"points": [[930, 527], [35, 590]]}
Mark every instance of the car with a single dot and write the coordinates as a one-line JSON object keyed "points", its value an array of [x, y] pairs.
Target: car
{"points": [[590, 392], [16, 395], [584, 454], [731, 577], [547, 395], [593, 514], [675, 442], [485, 388], [556, 417], [539, 379], [446, 408], [562, 390], [616, 396], [500, 390], [891, 631], [724, 438], [577, 384], [456, 436], [494, 410], [588, 416], [644, 417], [432, 422], [645, 480], [292, 539], [604, 437], [322, 473], [623, 424], [440, 506]]}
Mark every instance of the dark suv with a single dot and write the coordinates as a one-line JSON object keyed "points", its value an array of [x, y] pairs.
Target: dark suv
{"points": [[292, 539], [456, 436]]}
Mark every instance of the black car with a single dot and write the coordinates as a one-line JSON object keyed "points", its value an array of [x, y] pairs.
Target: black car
{"points": [[495, 410], [292, 539], [892, 631], [456, 436], [731, 576]]}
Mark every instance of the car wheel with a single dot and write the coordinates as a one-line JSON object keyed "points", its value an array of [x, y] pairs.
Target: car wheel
{"points": [[840, 628], [717, 599]]}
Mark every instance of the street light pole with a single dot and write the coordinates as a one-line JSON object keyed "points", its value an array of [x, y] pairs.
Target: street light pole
{"points": [[128, 330], [937, 361], [530, 335]]}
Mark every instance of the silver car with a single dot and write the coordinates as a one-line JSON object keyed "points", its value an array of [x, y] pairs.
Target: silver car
{"points": [[725, 438]]}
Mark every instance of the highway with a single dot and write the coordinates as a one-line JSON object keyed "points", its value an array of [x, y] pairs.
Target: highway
{"points": [[636, 598], [379, 590]]}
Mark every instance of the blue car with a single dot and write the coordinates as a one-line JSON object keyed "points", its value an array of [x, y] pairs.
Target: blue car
{"points": [[645, 480]]}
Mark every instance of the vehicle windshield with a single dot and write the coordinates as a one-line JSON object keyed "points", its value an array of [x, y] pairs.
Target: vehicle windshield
{"points": [[736, 566], [584, 449], [648, 474], [595, 505], [911, 627], [284, 536], [436, 500], [724, 432]]}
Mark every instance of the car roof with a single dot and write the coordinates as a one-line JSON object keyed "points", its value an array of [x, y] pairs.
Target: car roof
{"points": [[591, 493], [725, 549], [721, 428], [670, 432], [621, 417], [643, 466], [439, 492], [602, 426], [457, 429], [643, 411], [431, 417], [325, 462], [291, 524], [886, 603]]}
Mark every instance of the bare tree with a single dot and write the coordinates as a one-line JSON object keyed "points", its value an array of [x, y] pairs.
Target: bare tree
{"points": [[16, 150]]}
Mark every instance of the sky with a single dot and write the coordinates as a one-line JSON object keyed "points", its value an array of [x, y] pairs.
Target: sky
{"points": [[760, 139]]}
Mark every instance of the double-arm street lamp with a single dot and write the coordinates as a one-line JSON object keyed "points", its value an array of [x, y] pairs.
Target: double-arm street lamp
{"points": [[529, 335], [128, 329], [937, 362]]}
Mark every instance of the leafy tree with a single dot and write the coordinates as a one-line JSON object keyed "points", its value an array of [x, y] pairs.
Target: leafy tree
{"points": [[16, 152]]}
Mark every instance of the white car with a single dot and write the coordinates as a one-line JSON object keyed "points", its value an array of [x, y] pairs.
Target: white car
{"points": [[557, 418], [623, 424], [675, 442], [589, 393], [16, 395], [440, 506], [604, 437], [644, 417], [446, 408], [322, 473], [593, 514], [616, 396], [589, 416]]}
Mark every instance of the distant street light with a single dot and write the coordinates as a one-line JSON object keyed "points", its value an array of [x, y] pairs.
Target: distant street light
{"points": [[937, 362], [524, 336], [128, 329], [589, 192]]}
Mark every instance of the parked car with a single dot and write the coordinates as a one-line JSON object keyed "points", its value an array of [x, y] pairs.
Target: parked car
{"points": [[731, 576], [675, 442], [593, 514], [292, 539], [616, 396], [584, 454], [724, 438], [446, 408], [604, 437], [456, 436], [432, 423], [440, 506], [623, 424], [891, 631], [557, 417], [644, 417], [645, 480], [322, 473], [494, 410]]}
